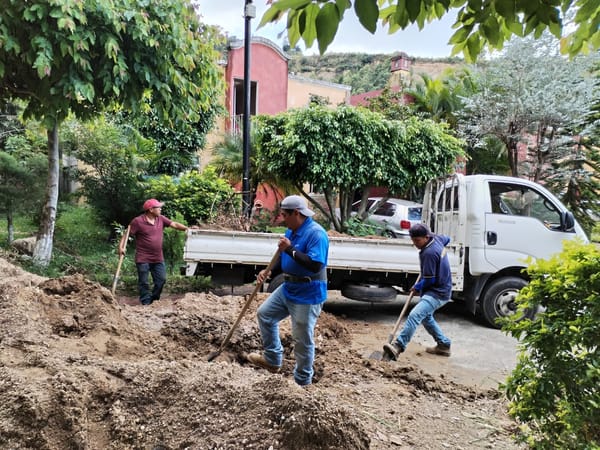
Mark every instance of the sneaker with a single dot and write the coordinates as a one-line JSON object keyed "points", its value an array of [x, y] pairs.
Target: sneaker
{"points": [[393, 350], [260, 361], [440, 349]]}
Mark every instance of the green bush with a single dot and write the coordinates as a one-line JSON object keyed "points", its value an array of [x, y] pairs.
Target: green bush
{"points": [[555, 388], [198, 197]]}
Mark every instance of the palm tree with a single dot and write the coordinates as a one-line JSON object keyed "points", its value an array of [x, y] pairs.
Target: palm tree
{"points": [[441, 98], [228, 160]]}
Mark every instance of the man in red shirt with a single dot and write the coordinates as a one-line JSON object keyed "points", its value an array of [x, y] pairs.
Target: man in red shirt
{"points": [[148, 232]]}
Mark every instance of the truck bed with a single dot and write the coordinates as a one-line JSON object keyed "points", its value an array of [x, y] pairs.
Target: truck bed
{"points": [[347, 253]]}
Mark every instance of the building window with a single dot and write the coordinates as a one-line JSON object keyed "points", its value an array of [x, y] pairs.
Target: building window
{"points": [[238, 97]]}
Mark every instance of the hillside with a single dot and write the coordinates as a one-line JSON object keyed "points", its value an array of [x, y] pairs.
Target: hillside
{"points": [[364, 72]]}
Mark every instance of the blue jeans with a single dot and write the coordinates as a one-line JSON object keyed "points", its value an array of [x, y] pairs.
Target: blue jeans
{"points": [[423, 313], [159, 278], [304, 318]]}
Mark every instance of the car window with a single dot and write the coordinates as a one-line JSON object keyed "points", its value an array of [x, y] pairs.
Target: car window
{"points": [[356, 205], [387, 209], [414, 213], [520, 200]]}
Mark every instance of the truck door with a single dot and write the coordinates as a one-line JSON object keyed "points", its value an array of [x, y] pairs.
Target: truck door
{"points": [[523, 222]]}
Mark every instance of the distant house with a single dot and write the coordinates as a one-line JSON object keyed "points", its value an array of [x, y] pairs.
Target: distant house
{"points": [[400, 71]]}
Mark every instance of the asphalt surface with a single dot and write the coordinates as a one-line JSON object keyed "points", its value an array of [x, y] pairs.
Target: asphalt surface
{"points": [[481, 356]]}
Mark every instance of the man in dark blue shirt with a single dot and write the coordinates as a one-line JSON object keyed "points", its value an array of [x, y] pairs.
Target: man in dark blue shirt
{"points": [[435, 289], [304, 251]]}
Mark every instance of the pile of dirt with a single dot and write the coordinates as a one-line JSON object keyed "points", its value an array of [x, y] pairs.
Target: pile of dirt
{"points": [[81, 369]]}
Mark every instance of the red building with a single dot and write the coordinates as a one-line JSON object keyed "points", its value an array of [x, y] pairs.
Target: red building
{"points": [[268, 79]]}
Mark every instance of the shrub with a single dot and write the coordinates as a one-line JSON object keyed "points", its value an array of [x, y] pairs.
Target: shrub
{"points": [[198, 197], [555, 387]]}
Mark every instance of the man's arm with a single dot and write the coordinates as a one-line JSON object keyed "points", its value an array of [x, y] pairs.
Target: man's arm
{"points": [[178, 226], [304, 260]]}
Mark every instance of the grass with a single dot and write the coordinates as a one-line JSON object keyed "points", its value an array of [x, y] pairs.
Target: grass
{"points": [[83, 245]]}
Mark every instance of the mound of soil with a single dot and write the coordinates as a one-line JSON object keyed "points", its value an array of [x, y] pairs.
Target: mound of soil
{"points": [[82, 369]]}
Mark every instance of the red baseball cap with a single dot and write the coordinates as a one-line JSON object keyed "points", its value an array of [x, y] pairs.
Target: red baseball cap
{"points": [[151, 203]]}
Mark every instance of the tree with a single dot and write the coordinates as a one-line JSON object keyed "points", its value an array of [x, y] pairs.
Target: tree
{"points": [[391, 104], [67, 56], [479, 24], [113, 171], [441, 98], [22, 166], [525, 95], [228, 161], [576, 175], [339, 151]]}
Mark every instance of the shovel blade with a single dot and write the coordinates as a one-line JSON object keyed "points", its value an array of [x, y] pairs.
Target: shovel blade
{"points": [[376, 355]]}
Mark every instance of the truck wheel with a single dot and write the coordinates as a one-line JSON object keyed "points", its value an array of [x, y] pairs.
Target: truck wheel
{"points": [[498, 300], [275, 282], [369, 292]]}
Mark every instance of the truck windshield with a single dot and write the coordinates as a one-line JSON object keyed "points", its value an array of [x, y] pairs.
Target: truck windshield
{"points": [[517, 200]]}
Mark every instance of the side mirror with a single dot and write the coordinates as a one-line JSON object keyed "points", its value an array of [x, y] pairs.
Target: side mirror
{"points": [[567, 221]]}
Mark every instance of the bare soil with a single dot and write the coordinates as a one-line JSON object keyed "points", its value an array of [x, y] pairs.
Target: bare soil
{"points": [[81, 369]]}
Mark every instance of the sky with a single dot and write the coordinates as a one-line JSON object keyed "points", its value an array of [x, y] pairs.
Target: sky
{"points": [[431, 42]]}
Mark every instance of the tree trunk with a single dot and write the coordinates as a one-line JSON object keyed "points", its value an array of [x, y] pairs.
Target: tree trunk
{"points": [[512, 149], [42, 253], [10, 223]]}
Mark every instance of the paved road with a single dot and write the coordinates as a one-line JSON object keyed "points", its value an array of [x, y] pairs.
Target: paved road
{"points": [[481, 356]]}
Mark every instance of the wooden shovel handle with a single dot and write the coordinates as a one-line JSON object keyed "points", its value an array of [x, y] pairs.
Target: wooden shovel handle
{"points": [[270, 267]]}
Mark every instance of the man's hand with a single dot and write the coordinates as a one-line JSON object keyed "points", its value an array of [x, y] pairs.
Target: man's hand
{"points": [[284, 243], [263, 275]]}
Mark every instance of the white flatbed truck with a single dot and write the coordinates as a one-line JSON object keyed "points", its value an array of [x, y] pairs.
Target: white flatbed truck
{"points": [[495, 223]]}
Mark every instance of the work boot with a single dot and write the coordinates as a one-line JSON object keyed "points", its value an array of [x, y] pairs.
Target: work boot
{"points": [[259, 361], [393, 350], [440, 349]]}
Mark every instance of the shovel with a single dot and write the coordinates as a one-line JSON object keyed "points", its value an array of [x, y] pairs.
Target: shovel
{"points": [[384, 356], [116, 279], [272, 264]]}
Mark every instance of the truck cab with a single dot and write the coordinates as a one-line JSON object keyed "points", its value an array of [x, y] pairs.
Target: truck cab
{"points": [[498, 224]]}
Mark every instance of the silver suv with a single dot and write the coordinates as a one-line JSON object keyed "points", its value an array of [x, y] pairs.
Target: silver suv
{"points": [[396, 215]]}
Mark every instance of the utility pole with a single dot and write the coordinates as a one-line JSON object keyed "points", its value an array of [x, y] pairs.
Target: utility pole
{"points": [[249, 14]]}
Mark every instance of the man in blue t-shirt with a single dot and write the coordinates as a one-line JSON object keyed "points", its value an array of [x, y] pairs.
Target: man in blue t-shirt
{"points": [[303, 261], [435, 289]]}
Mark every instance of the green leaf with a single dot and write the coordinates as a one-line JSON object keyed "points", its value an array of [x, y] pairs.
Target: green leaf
{"points": [[401, 15], [413, 8], [309, 17], [516, 28], [460, 35], [474, 46], [327, 26], [293, 27], [491, 30], [368, 14], [342, 6], [506, 9], [273, 14]]}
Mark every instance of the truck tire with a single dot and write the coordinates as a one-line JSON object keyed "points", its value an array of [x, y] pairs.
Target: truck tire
{"points": [[275, 282], [498, 300], [369, 292]]}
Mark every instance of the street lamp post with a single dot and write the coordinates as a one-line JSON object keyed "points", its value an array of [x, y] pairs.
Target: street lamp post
{"points": [[249, 14]]}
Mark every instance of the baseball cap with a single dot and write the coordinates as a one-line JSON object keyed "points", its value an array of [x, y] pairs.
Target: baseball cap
{"points": [[297, 202], [151, 203], [419, 230]]}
